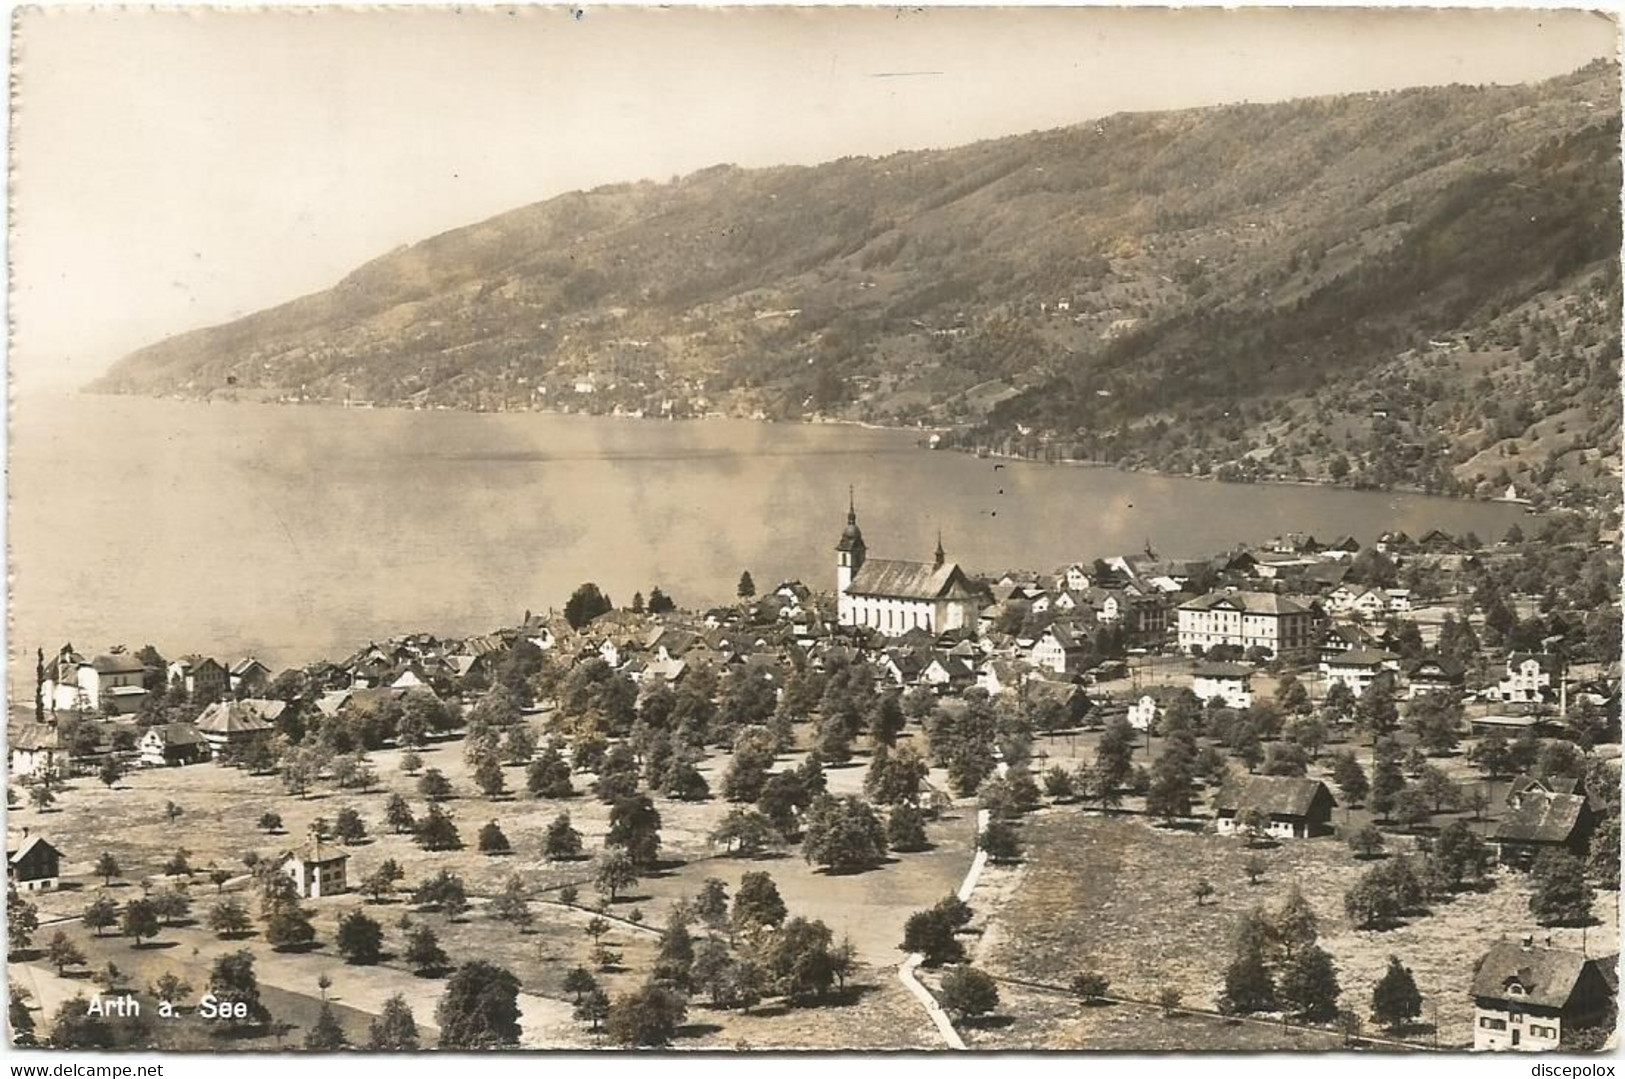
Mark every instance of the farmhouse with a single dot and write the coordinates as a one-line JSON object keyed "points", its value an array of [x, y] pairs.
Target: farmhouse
{"points": [[1358, 668], [249, 676], [36, 866], [1058, 650], [317, 869], [226, 724], [1542, 820], [172, 744], [1283, 627], [1230, 682], [1296, 808], [36, 749], [1526, 999], [1434, 675], [894, 596]]}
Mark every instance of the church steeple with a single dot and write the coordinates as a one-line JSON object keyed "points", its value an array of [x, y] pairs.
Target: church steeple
{"points": [[941, 554], [851, 549]]}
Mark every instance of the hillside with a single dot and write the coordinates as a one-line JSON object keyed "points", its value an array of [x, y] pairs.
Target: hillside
{"points": [[1417, 288]]}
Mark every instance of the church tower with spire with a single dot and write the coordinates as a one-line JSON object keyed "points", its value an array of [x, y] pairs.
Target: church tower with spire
{"points": [[850, 552]]}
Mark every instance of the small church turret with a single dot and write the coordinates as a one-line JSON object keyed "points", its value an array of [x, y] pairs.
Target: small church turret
{"points": [[851, 550], [942, 556]]}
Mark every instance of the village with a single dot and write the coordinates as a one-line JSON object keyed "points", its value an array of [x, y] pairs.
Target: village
{"points": [[1306, 793]]}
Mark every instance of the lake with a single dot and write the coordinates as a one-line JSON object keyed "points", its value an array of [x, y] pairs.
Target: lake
{"points": [[300, 532]]}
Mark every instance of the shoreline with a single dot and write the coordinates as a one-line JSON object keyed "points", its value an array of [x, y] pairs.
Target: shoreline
{"points": [[821, 421]]}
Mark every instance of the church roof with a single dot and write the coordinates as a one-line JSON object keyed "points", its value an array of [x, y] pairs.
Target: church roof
{"points": [[897, 579]]}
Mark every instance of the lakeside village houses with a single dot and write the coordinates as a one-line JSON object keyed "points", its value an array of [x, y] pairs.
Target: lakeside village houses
{"points": [[1115, 636]]}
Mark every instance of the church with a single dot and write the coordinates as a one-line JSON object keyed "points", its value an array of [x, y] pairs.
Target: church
{"points": [[894, 596]]}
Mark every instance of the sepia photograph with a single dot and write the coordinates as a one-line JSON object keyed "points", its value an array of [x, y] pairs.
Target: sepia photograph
{"points": [[1028, 529]]}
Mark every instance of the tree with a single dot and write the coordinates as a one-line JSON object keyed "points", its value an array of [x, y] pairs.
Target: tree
{"points": [[1367, 842], [579, 981], [349, 827], [747, 587], [1395, 999], [172, 904], [74, 1027], [757, 902], [62, 953], [492, 841], [1350, 778], [107, 868], [172, 812], [140, 920], [1460, 854], [228, 919], [410, 763], [634, 827], [905, 829], [1248, 984], [287, 924], [360, 939], [395, 1029], [1308, 985], [1001, 841], [423, 951], [41, 796], [488, 777], [659, 602], [1386, 782], [586, 603], [562, 841], [548, 776], [710, 905], [798, 958], [1562, 895], [437, 832], [931, 933], [434, 786], [232, 981], [969, 992], [649, 1015], [100, 913], [746, 832], [1169, 999], [1254, 866], [675, 960], [480, 1008], [512, 904], [1202, 890], [325, 1034], [613, 873], [110, 772], [398, 815], [594, 1006], [842, 834], [1090, 985], [444, 892], [170, 987]]}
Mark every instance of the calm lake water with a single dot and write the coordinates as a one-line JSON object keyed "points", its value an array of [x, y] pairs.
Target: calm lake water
{"points": [[294, 533]]}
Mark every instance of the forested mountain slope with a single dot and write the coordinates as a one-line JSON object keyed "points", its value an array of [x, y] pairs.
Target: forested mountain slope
{"points": [[1410, 288]]}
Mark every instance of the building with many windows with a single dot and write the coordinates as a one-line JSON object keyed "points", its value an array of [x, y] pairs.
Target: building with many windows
{"points": [[1281, 625], [1528, 999]]}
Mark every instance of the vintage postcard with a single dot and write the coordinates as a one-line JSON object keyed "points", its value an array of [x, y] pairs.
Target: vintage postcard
{"points": [[814, 528]]}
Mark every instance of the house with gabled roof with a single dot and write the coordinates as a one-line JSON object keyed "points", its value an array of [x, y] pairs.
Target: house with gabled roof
{"points": [[249, 677], [1542, 820], [113, 680], [1358, 668], [317, 868], [1531, 678], [172, 744], [1230, 682], [200, 675], [1528, 999], [230, 724], [35, 866], [1296, 807]]}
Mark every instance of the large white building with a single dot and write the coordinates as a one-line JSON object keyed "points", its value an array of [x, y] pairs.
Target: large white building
{"points": [[1285, 627], [895, 596]]}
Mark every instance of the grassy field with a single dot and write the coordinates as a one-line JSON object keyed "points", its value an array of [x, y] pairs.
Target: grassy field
{"points": [[1114, 893], [220, 822]]}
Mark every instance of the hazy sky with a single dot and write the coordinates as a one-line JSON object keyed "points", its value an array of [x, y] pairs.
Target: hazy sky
{"points": [[174, 170]]}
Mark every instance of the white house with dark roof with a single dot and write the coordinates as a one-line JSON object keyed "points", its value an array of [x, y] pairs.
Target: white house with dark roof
{"points": [[1527, 998], [894, 596], [1230, 682], [317, 868], [1358, 668]]}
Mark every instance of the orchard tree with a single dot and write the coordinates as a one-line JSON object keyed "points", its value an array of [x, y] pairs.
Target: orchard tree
{"points": [[1562, 894], [360, 939], [968, 992], [480, 1008], [1395, 1001], [395, 1029]]}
